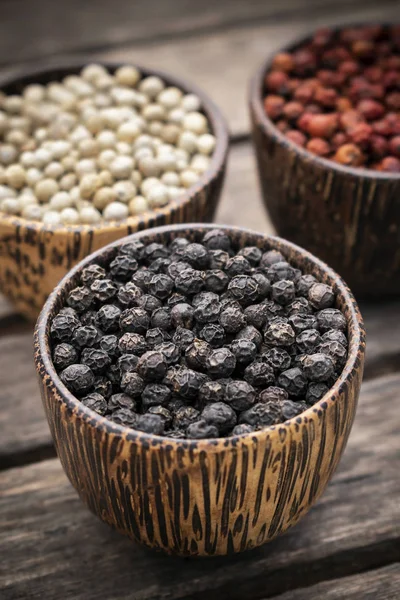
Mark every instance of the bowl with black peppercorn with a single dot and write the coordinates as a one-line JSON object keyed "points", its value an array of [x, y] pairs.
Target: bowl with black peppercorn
{"points": [[200, 384], [326, 126], [90, 153]]}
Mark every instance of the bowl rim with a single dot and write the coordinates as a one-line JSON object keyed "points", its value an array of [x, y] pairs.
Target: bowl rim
{"points": [[44, 364], [218, 125], [255, 98]]}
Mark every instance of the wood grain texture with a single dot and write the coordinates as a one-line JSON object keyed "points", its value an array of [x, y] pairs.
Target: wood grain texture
{"points": [[382, 584], [238, 51], [34, 257], [348, 217], [202, 497], [34, 30], [355, 526]]}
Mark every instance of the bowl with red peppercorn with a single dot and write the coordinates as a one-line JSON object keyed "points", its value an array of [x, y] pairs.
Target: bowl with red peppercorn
{"points": [[90, 153], [200, 384], [325, 116]]}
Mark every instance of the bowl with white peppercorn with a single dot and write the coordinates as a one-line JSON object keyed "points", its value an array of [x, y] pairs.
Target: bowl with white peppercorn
{"points": [[90, 153], [200, 384]]}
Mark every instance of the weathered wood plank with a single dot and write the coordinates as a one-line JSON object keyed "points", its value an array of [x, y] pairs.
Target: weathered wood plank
{"points": [[49, 538], [379, 584], [32, 30], [222, 62]]}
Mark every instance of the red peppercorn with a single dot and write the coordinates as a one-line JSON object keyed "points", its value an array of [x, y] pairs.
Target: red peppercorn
{"points": [[293, 110], [293, 84], [343, 104], [373, 74], [322, 125], [378, 146], [393, 62], [326, 96], [339, 139], [360, 134], [313, 109], [391, 79], [282, 125], [393, 120], [326, 77], [274, 106], [393, 101], [277, 81], [362, 48], [283, 61], [297, 137], [303, 121], [383, 49], [304, 93], [394, 146], [370, 109], [390, 164], [349, 119], [349, 68], [322, 37], [318, 146], [349, 155], [305, 61], [382, 127]]}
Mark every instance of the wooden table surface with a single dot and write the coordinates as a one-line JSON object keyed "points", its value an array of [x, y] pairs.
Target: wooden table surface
{"points": [[51, 547]]}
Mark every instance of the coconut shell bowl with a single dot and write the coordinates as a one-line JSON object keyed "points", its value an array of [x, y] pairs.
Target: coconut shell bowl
{"points": [[211, 496], [34, 257], [348, 216]]}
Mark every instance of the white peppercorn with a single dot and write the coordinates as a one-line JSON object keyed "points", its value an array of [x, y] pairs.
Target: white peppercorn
{"points": [[157, 196], [138, 205], [51, 217], [10, 206], [103, 197], [60, 201], [122, 167], [89, 215], [151, 86], [188, 178], [69, 216], [45, 189], [124, 190], [196, 122], [16, 176], [127, 75], [190, 103], [116, 211], [206, 143], [54, 170]]}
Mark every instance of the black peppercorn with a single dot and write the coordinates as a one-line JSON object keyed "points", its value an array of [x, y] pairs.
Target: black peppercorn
{"points": [[245, 289], [96, 359], [150, 424], [132, 343], [240, 395], [142, 278], [132, 384], [252, 254], [186, 382], [237, 265], [162, 412], [129, 295], [155, 393], [149, 303], [217, 239], [91, 273], [250, 334], [153, 251], [244, 350], [125, 416], [108, 317], [88, 317], [264, 285], [221, 362], [308, 340], [127, 363], [259, 374], [232, 318], [155, 336], [134, 320], [95, 402], [293, 381], [331, 318], [270, 258], [262, 415], [63, 327], [280, 334], [335, 351], [283, 292], [272, 394], [64, 355], [215, 280], [103, 386], [292, 409], [256, 315], [221, 415], [211, 391], [86, 336], [161, 318], [242, 429], [197, 354], [318, 367], [182, 315], [109, 343], [304, 283], [134, 249], [321, 296], [278, 358], [161, 286], [207, 310], [201, 430], [218, 259], [103, 290], [334, 335], [282, 270], [183, 337], [79, 379], [123, 267], [170, 351], [213, 334], [118, 401], [315, 392], [152, 366], [301, 322], [80, 299], [160, 265]]}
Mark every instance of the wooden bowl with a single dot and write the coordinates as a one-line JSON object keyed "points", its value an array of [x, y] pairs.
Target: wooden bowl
{"points": [[34, 257], [349, 217], [202, 497]]}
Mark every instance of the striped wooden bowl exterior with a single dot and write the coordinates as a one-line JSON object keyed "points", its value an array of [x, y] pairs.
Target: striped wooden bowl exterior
{"points": [[202, 497], [34, 257], [348, 217]]}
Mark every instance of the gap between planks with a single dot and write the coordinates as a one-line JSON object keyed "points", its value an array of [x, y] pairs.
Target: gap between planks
{"points": [[49, 537]]}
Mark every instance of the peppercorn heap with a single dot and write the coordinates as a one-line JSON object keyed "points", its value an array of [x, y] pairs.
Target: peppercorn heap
{"points": [[338, 96], [198, 340], [99, 146]]}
